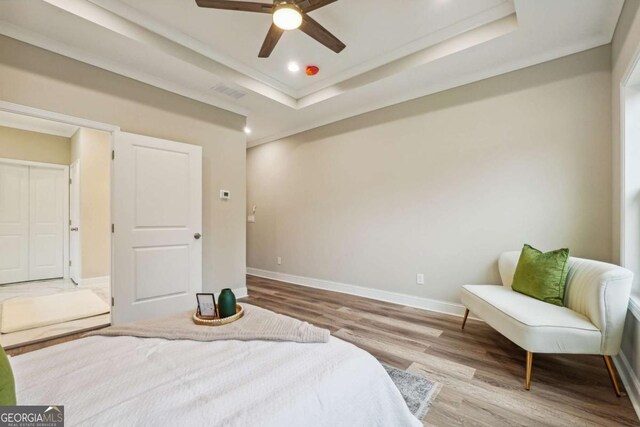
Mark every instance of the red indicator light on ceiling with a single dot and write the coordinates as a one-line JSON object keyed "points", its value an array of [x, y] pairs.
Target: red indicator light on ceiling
{"points": [[312, 70]]}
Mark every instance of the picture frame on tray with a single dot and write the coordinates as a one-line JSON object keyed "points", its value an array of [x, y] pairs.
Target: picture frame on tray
{"points": [[206, 305]]}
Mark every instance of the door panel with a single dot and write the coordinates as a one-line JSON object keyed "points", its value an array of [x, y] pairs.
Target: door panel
{"points": [[14, 223], [46, 224], [159, 271], [157, 210], [163, 198]]}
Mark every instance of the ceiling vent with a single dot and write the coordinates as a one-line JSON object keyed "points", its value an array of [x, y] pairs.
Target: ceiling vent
{"points": [[229, 91]]}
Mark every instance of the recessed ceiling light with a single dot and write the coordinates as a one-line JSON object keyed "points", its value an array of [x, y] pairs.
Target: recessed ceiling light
{"points": [[247, 130], [293, 67]]}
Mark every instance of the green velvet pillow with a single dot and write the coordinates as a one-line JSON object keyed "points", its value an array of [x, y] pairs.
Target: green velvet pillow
{"points": [[7, 384], [542, 275]]}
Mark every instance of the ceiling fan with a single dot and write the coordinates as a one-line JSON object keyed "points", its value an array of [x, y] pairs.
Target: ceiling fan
{"points": [[286, 15]]}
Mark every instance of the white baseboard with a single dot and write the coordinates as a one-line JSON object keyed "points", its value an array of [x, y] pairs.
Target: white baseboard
{"points": [[93, 281], [634, 306], [240, 292], [377, 294], [629, 379]]}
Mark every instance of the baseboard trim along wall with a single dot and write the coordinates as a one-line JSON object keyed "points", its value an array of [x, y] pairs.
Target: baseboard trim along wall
{"points": [[377, 294], [240, 292], [629, 379], [634, 306], [91, 281]]}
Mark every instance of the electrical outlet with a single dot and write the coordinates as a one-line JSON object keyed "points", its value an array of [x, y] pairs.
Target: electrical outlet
{"points": [[279, 260], [420, 279]]}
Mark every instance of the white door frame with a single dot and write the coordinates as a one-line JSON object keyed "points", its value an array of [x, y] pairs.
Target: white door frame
{"points": [[624, 91], [65, 231], [75, 121], [78, 255]]}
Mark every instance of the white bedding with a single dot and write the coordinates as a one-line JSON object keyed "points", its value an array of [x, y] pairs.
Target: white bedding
{"points": [[126, 381]]}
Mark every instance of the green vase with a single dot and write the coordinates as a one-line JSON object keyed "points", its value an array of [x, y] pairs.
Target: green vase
{"points": [[226, 303]]}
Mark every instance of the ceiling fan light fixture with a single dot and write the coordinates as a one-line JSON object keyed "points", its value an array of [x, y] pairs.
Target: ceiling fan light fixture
{"points": [[287, 16]]}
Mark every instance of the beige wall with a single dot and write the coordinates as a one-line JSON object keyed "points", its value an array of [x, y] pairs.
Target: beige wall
{"points": [[92, 149], [34, 146], [443, 184], [625, 44], [41, 79]]}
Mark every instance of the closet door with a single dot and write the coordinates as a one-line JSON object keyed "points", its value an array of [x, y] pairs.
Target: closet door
{"points": [[14, 223], [46, 222]]}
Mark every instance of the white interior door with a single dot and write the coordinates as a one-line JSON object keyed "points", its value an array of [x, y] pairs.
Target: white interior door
{"points": [[74, 222], [46, 222], [14, 223], [157, 215]]}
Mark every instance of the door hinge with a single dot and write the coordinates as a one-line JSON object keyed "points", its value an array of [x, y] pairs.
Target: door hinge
{"points": [[70, 181], [113, 154], [113, 301], [113, 228], [69, 263], [69, 222]]}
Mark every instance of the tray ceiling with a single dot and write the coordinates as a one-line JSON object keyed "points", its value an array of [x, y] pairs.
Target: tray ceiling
{"points": [[393, 53]]}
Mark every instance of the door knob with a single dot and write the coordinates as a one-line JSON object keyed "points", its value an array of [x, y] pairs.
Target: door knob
{"points": [[74, 228], [197, 236]]}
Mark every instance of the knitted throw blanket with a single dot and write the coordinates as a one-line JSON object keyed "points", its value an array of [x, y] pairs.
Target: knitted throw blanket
{"points": [[256, 324]]}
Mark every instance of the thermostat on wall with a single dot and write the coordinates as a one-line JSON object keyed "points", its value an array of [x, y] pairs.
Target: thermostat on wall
{"points": [[225, 194]]}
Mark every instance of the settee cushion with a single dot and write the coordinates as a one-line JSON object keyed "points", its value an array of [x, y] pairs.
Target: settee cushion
{"points": [[542, 275], [532, 324]]}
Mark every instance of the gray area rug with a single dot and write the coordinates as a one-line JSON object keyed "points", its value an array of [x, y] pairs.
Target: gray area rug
{"points": [[416, 390]]}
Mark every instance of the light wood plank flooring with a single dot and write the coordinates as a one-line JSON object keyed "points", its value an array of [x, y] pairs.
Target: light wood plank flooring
{"points": [[481, 372], [26, 348]]}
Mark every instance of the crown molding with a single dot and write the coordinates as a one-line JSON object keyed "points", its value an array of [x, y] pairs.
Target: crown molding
{"points": [[18, 33], [596, 41]]}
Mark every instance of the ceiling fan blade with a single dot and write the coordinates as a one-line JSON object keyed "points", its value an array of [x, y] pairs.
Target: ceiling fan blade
{"points": [[244, 6], [311, 5], [316, 31], [273, 36]]}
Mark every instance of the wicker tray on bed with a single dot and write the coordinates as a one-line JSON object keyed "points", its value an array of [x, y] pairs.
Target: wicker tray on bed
{"points": [[217, 321]]}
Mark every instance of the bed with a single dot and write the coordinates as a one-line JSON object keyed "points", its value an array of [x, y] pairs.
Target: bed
{"points": [[127, 380]]}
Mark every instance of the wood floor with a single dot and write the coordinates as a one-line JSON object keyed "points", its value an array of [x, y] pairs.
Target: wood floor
{"points": [[26, 348], [481, 372]]}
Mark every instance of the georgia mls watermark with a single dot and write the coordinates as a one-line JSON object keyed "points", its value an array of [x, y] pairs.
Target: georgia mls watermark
{"points": [[31, 416]]}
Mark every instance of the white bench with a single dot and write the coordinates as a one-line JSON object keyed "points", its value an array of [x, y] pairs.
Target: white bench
{"points": [[596, 300]]}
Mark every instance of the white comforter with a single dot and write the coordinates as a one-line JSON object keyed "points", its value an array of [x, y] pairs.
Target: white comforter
{"points": [[127, 381]]}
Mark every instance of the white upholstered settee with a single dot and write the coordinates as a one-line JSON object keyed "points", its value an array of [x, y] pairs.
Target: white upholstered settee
{"points": [[591, 322]]}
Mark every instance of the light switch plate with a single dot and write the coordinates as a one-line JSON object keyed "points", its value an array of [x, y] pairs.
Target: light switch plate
{"points": [[225, 194]]}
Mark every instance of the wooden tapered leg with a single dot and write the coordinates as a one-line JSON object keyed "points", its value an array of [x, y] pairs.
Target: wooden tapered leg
{"points": [[466, 314], [612, 374], [527, 383]]}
